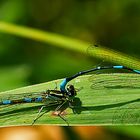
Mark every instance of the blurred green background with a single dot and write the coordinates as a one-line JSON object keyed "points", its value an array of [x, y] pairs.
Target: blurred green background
{"points": [[114, 24], [111, 23]]}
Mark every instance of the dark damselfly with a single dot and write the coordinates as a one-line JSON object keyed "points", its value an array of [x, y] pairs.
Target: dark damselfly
{"points": [[58, 98]]}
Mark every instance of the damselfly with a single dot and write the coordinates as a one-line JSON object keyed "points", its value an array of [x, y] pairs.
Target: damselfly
{"points": [[58, 98]]}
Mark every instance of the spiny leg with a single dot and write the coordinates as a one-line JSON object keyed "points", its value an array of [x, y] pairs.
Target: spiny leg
{"points": [[59, 114], [38, 115], [40, 110], [58, 107]]}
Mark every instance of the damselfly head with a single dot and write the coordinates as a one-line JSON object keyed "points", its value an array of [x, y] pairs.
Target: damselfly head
{"points": [[71, 90]]}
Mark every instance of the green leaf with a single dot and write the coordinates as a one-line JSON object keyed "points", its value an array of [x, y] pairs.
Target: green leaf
{"points": [[102, 99], [71, 44]]}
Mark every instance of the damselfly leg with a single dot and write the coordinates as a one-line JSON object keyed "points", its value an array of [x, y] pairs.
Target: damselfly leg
{"points": [[39, 115], [61, 110], [57, 109]]}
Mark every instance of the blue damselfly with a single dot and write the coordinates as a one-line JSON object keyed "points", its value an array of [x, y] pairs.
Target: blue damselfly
{"points": [[57, 98]]}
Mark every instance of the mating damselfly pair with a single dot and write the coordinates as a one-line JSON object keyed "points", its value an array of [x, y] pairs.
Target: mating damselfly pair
{"points": [[54, 98]]}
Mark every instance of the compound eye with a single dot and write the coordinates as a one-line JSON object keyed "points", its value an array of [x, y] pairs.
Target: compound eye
{"points": [[70, 87], [71, 90]]}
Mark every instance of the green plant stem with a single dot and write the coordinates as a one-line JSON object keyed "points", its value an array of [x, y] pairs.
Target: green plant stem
{"points": [[70, 44]]}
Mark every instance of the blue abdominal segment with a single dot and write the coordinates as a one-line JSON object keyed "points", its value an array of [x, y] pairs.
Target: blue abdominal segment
{"points": [[118, 67], [28, 100], [38, 99], [137, 71], [6, 102]]}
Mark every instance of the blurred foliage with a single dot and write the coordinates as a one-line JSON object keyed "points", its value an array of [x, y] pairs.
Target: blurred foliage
{"points": [[114, 24], [132, 131], [61, 133], [11, 77]]}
